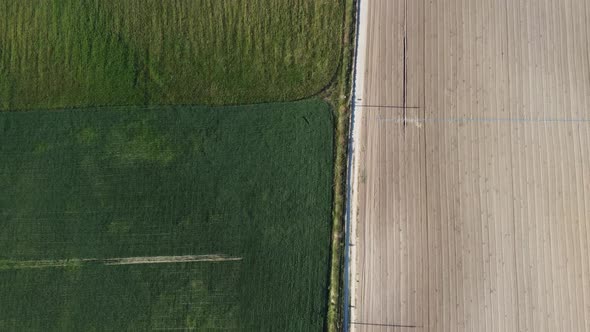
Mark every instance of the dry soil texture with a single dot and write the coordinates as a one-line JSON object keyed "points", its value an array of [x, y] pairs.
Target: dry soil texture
{"points": [[471, 184]]}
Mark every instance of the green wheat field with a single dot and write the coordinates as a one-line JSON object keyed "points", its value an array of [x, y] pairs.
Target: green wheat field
{"points": [[251, 183]]}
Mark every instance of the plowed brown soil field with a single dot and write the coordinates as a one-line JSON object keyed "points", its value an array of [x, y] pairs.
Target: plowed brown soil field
{"points": [[471, 177]]}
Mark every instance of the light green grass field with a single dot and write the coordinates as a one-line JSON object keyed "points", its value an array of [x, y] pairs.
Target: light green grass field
{"points": [[250, 182], [76, 53]]}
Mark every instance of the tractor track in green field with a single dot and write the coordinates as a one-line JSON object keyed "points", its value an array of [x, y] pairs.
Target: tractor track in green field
{"points": [[57, 263]]}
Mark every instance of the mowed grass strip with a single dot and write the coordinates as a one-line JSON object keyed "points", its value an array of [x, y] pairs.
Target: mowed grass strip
{"points": [[80, 188], [78, 53]]}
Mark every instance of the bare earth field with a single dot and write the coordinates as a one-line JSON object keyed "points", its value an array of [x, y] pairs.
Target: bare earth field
{"points": [[471, 169]]}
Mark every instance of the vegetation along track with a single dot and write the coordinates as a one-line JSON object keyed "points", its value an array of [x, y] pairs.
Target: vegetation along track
{"points": [[340, 97]]}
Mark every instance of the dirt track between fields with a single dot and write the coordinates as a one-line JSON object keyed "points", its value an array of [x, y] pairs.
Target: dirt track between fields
{"points": [[471, 170]]}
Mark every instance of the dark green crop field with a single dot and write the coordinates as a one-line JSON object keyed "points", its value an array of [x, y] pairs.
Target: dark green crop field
{"points": [[78, 53], [88, 196]]}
